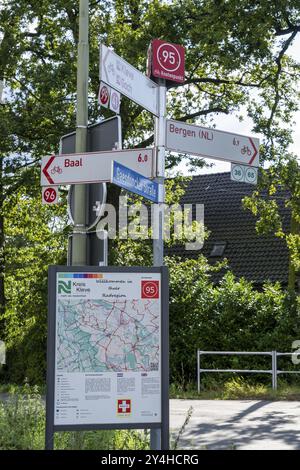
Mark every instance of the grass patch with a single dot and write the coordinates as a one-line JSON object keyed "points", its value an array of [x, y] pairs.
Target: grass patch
{"points": [[22, 416], [22, 426], [236, 388]]}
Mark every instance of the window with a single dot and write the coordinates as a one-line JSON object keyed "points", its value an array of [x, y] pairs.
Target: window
{"points": [[218, 249]]}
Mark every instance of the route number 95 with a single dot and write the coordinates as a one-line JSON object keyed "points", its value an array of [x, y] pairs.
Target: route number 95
{"points": [[150, 290]]}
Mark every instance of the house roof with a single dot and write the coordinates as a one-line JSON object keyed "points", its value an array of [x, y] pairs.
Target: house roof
{"points": [[256, 257]]}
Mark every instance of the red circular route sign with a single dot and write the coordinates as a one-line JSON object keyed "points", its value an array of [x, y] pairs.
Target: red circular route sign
{"points": [[167, 60], [168, 57], [104, 93], [50, 195], [150, 290]]}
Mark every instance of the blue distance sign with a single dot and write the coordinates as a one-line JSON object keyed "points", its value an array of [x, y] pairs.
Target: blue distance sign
{"points": [[135, 182]]}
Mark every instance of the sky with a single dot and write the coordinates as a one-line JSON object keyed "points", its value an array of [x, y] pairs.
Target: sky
{"points": [[230, 123]]}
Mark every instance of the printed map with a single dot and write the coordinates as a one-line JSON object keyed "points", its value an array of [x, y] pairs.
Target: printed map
{"points": [[103, 336]]}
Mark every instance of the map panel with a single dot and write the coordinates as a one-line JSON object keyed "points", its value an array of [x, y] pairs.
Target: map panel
{"points": [[101, 336], [107, 348]]}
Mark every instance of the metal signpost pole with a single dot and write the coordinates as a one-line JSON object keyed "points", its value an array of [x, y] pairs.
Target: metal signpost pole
{"points": [[79, 251], [159, 437]]}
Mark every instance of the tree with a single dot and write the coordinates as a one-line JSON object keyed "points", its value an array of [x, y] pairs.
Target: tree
{"points": [[280, 187], [236, 56]]}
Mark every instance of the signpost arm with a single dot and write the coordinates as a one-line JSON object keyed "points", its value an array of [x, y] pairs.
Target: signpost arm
{"points": [[159, 437], [79, 234]]}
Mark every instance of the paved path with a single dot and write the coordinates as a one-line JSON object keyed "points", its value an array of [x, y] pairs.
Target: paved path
{"points": [[237, 424]]}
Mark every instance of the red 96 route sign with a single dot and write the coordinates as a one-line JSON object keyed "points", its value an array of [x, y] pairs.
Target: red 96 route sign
{"points": [[150, 290], [49, 195], [167, 61]]}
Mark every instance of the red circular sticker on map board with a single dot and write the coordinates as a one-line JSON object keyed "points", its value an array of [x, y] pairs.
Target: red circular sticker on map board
{"points": [[50, 195], [167, 60], [150, 290]]}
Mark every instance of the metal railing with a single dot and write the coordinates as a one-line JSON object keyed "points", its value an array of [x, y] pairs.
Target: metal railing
{"points": [[273, 371]]}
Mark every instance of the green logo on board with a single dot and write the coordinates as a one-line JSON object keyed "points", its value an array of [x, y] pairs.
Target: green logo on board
{"points": [[64, 287]]}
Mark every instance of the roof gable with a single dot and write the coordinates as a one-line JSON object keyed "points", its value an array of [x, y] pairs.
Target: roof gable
{"points": [[256, 257]]}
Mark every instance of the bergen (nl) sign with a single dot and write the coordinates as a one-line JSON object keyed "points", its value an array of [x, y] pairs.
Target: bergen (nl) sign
{"points": [[211, 143]]}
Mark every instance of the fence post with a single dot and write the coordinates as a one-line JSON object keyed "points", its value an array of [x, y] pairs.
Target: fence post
{"points": [[274, 370], [198, 370]]}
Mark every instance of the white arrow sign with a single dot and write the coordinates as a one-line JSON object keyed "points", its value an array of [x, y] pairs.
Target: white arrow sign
{"points": [[129, 81], [210, 143], [93, 167]]}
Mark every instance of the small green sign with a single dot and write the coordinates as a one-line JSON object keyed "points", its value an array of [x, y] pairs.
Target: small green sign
{"points": [[64, 287]]}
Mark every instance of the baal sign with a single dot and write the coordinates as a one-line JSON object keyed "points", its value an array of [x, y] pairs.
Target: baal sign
{"points": [[210, 143], [93, 167]]}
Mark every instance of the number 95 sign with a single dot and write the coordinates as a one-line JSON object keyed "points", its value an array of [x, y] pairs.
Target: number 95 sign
{"points": [[167, 61], [150, 290]]}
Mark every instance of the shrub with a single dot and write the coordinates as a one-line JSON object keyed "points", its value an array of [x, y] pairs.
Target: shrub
{"points": [[230, 316], [22, 426]]}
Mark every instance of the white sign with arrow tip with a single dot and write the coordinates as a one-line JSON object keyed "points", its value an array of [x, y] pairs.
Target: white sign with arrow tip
{"points": [[210, 143], [129, 81], [93, 167]]}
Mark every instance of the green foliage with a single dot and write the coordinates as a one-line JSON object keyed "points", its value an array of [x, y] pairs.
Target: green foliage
{"points": [[279, 187], [35, 238], [22, 427], [138, 251], [236, 387], [230, 316], [232, 47], [22, 421]]}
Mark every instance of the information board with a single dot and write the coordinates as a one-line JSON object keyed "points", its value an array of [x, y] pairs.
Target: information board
{"points": [[105, 336]]}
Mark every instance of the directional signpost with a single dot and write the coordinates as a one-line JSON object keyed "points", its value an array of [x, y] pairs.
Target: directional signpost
{"points": [[93, 167], [210, 143], [135, 182], [123, 77], [130, 169]]}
